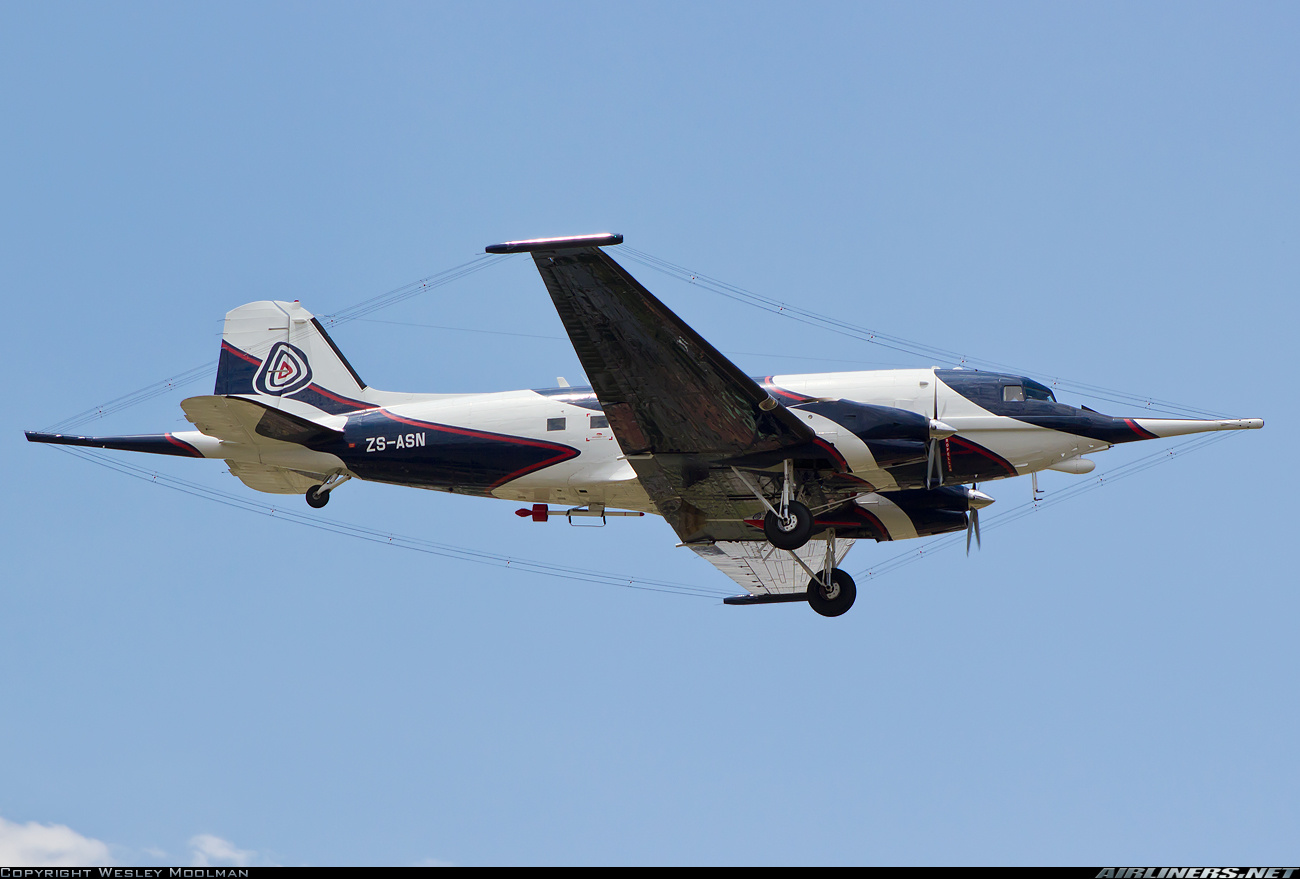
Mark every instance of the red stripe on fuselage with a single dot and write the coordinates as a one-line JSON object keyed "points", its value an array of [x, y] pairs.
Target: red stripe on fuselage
{"points": [[563, 453], [1142, 432], [789, 395], [346, 401]]}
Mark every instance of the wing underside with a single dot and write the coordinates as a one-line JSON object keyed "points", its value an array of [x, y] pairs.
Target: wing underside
{"points": [[272, 479], [762, 569]]}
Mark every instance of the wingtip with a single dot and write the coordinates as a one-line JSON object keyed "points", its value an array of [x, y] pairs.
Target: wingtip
{"points": [[532, 245]]}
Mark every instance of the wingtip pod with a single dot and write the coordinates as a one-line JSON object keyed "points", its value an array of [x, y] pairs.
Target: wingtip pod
{"points": [[1162, 427], [600, 239]]}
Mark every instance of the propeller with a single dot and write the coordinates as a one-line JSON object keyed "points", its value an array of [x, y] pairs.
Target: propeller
{"points": [[933, 463], [976, 500], [938, 432]]}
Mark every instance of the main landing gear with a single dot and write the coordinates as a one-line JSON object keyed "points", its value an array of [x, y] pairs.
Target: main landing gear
{"points": [[789, 524], [830, 592], [790, 531], [833, 591], [833, 595], [319, 495]]}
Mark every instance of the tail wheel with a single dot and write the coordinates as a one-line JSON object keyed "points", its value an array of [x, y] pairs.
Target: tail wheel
{"points": [[792, 531], [317, 498], [835, 597]]}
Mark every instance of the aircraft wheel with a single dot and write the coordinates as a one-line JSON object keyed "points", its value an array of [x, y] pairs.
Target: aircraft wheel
{"points": [[317, 498], [790, 533], [837, 599]]}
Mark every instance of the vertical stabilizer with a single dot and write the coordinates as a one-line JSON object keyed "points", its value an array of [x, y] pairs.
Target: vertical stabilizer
{"points": [[277, 351]]}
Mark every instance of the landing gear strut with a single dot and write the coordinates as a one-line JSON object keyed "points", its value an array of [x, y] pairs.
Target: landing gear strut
{"points": [[831, 592], [319, 495], [789, 525], [792, 531]]}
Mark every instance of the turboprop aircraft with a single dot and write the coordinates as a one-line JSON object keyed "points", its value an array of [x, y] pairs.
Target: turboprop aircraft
{"points": [[771, 479]]}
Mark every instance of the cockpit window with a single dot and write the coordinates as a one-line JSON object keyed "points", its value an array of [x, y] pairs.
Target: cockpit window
{"points": [[1013, 394], [1035, 391]]}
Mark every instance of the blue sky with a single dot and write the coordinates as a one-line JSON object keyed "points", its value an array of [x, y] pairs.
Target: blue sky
{"points": [[1102, 192]]}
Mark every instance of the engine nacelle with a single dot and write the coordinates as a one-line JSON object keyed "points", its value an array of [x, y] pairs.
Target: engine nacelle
{"points": [[894, 437]]}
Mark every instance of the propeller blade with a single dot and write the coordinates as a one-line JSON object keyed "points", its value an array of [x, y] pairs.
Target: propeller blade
{"points": [[977, 499]]}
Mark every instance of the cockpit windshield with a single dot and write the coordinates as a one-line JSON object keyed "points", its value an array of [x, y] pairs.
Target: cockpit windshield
{"points": [[1027, 390], [1036, 391]]}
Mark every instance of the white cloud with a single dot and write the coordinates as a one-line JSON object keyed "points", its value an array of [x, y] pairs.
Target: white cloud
{"points": [[213, 851], [49, 845]]}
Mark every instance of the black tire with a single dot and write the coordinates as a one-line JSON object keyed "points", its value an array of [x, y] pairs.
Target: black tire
{"points": [[317, 498], [843, 592], [791, 534]]}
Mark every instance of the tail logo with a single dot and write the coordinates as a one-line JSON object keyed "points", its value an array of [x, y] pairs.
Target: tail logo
{"points": [[284, 371]]}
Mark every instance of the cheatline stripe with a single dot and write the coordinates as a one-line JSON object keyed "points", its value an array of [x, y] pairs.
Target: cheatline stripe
{"points": [[387, 538], [990, 523]]}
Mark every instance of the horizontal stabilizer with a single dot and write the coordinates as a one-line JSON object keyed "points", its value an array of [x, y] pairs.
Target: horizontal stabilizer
{"points": [[236, 420]]}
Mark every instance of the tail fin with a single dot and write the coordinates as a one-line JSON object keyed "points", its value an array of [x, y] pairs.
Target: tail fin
{"points": [[273, 351]]}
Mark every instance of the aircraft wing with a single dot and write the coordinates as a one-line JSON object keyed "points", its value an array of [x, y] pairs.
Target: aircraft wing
{"points": [[762, 569], [681, 411]]}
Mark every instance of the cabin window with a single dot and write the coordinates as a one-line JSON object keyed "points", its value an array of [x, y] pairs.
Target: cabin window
{"points": [[555, 424], [1013, 394], [599, 421]]}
